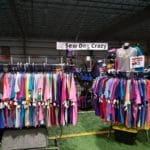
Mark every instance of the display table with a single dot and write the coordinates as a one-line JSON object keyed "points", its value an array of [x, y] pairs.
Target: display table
{"points": [[125, 135]]}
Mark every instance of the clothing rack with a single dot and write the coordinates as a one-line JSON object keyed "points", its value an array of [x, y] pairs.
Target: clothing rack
{"points": [[130, 74], [44, 67], [14, 59], [41, 64], [36, 67]]}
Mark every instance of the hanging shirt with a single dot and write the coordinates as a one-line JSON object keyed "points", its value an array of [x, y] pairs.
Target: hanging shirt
{"points": [[40, 87], [54, 87], [7, 87], [47, 88], [35, 89], [148, 99], [139, 53], [73, 98], [17, 84], [21, 93], [137, 91], [12, 93], [27, 94], [107, 89]]}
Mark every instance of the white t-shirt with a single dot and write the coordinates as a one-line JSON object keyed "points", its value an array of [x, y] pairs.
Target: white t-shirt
{"points": [[123, 58]]}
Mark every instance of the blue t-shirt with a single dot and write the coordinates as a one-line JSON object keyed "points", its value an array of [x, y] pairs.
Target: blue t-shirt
{"points": [[139, 53]]}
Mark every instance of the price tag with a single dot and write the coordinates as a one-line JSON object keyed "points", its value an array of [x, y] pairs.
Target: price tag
{"points": [[26, 106], [6, 103], [15, 103], [114, 102], [23, 102], [34, 104], [54, 104], [73, 104], [108, 101], [18, 106]]}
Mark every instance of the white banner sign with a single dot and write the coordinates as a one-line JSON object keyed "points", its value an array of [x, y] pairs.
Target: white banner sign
{"points": [[81, 46], [137, 62]]}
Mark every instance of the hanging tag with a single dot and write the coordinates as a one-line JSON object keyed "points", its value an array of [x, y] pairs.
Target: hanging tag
{"points": [[6, 103], [114, 102], [25, 106], [73, 104], [42, 122], [39, 103], [23, 102], [100, 100], [18, 106], [15, 103], [54, 104], [34, 104], [65, 104]]}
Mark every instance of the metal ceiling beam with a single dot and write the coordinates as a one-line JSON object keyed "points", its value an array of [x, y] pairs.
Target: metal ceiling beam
{"points": [[114, 3], [65, 4], [13, 9], [123, 24], [91, 38], [122, 3], [58, 9]]}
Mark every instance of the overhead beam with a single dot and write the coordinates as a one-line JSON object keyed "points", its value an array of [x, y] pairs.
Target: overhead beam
{"points": [[55, 8], [65, 4], [123, 24], [13, 9], [122, 3], [114, 3]]}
